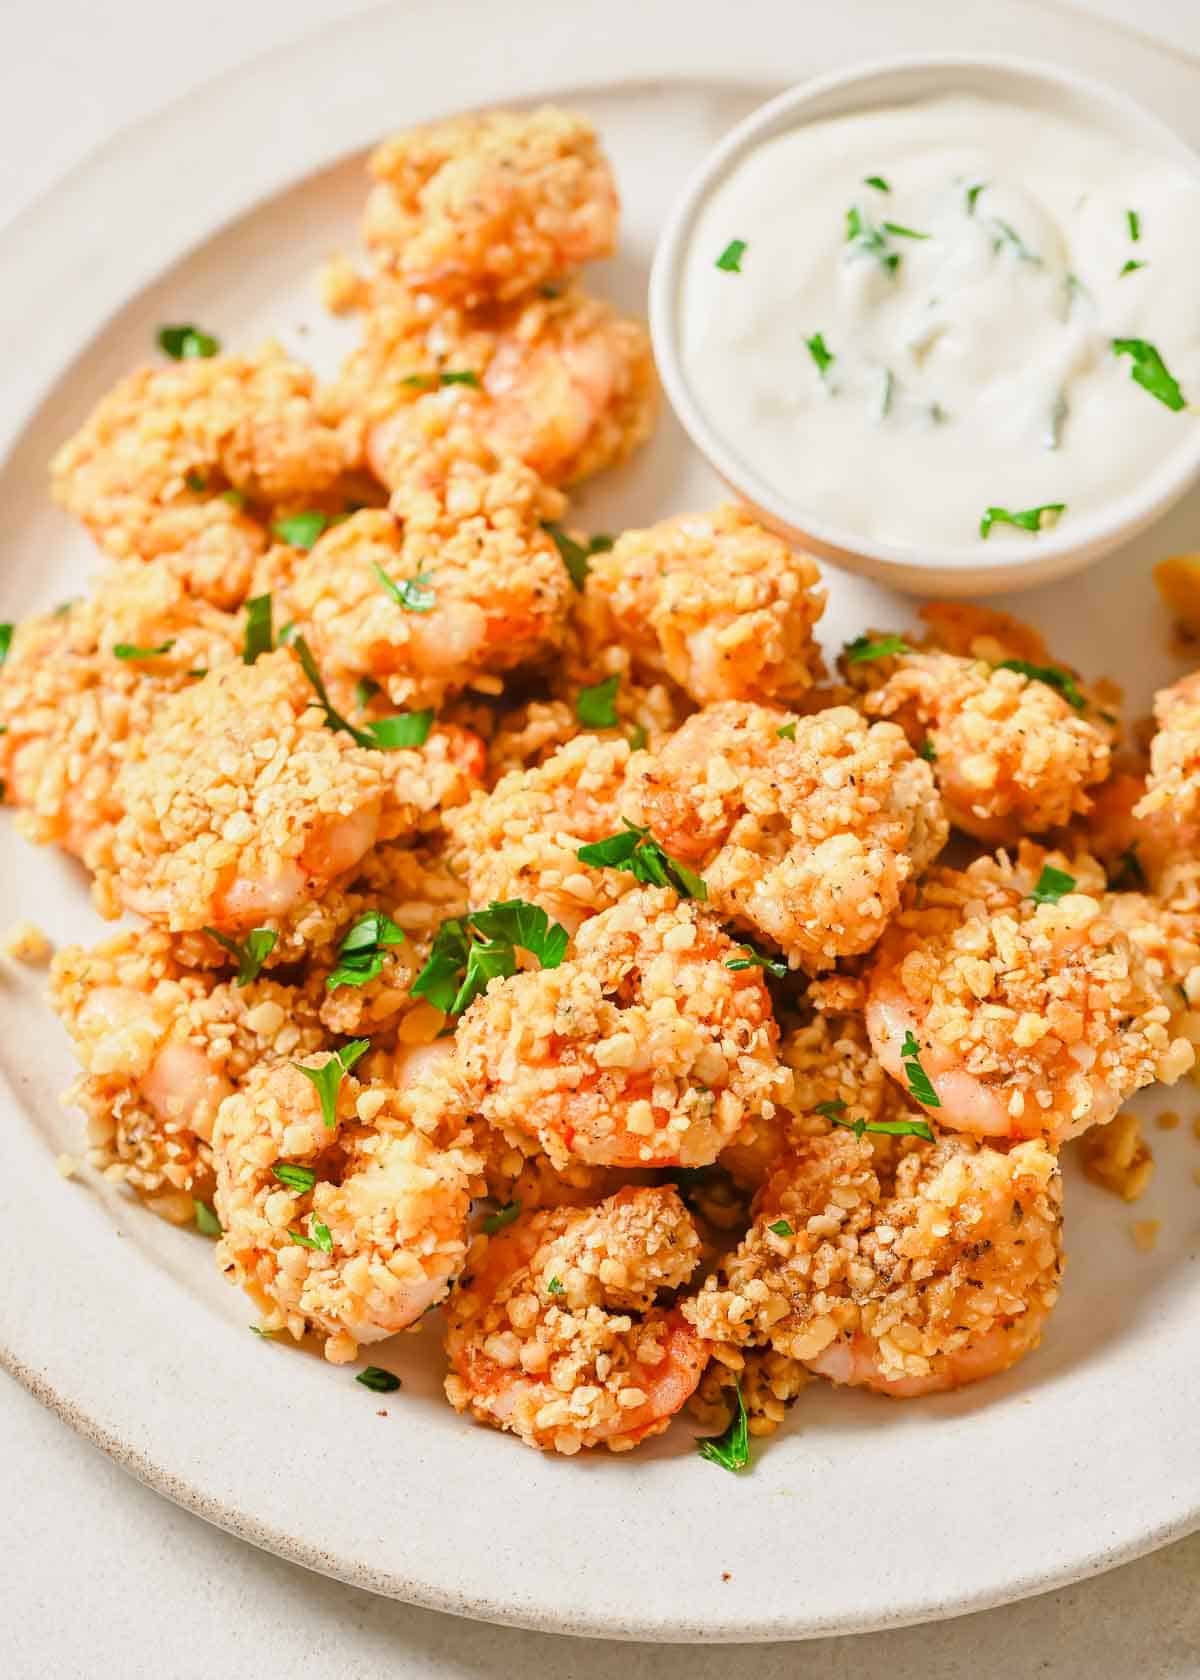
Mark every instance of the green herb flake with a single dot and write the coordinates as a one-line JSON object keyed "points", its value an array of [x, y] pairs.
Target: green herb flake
{"points": [[195, 481], [832, 1110], [1006, 237], [595, 707], [972, 195], [823, 357], [250, 954], [207, 1222], [459, 966], [297, 1178], [899, 231], [870, 240], [301, 530], [730, 1450], [927, 751], [730, 260], [637, 738], [402, 729], [320, 1238], [555, 1287], [756, 959], [504, 1216], [643, 857], [1151, 372], [187, 343], [786, 732], [1135, 225], [259, 635], [6, 636], [257, 1330], [781, 1228], [876, 181], [235, 498], [1033, 519], [328, 1078], [891, 1128], [1131, 267], [576, 556], [919, 1082], [1052, 884], [131, 650], [413, 594], [862, 649], [361, 953], [378, 1380], [1052, 676], [365, 690]]}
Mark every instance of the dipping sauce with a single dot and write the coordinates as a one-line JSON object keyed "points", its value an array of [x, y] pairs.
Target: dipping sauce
{"points": [[955, 321]]}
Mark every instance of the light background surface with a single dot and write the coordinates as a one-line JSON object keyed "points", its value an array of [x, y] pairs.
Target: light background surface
{"points": [[98, 1575]]}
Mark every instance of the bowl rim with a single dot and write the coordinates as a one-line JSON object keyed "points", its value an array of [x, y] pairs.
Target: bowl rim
{"points": [[1087, 537]]}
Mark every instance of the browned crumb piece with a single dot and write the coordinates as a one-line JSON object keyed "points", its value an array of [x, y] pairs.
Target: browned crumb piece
{"points": [[1118, 1158]]}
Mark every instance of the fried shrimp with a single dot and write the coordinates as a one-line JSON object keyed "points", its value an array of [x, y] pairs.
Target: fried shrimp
{"points": [[240, 804], [365, 1232], [928, 1278], [554, 1333], [490, 206], [804, 829], [642, 1049], [457, 586], [713, 601], [1027, 1019], [1173, 785], [165, 464], [522, 839], [81, 684]]}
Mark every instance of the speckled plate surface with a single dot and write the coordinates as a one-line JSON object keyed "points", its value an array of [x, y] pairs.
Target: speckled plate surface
{"points": [[860, 1513]]}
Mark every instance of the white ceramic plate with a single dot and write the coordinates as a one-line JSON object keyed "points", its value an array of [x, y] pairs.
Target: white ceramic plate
{"points": [[862, 1513]]}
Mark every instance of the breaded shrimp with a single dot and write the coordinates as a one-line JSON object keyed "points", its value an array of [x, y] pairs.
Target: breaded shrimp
{"points": [[714, 601], [164, 464], [927, 1278], [1173, 785], [642, 1049], [381, 1232], [456, 587], [161, 1047], [1030, 1020], [805, 830], [491, 205], [554, 1333], [521, 840], [239, 804], [81, 684]]}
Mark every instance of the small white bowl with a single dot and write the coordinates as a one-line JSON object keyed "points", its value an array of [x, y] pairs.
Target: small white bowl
{"points": [[948, 570]]}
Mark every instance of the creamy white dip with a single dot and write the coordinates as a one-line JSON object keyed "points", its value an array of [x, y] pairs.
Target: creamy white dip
{"points": [[904, 318]]}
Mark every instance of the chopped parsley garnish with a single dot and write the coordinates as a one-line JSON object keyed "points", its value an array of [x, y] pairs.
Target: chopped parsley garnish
{"points": [[301, 530], [887, 390], [637, 738], [299, 1179], [504, 1216], [869, 239], [460, 966], [876, 181], [901, 232], [890, 1128], [250, 954], [1128, 876], [1131, 267], [446, 376], [320, 1238], [1025, 519], [328, 1078], [832, 1110], [1052, 884], [365, 690], [259, 635], [195, 481], [786, 732], [207, 1222], [1135, 225], [555, 1287], [1005, 236], [927, 751], [6, 636], [1052, 676], [187, 343], [131, 650], [1151, 372], [235, 498], [862, 649], [403, 729], [257, 1330], [730, 259], [972, 196], [413, 594], [361, 953], [378, 1380], [756, 959], [634, 850], [595, 707], [781, 1228], [730, 1450], [919, 1082], [823, 357], [574, 555]]}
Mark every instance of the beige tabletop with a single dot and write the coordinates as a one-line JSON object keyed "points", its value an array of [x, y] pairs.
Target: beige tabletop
{"points": [[101, 1577]]}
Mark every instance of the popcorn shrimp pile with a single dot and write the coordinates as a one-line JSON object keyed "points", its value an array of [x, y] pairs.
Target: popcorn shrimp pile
{"points": [[529, 923]]}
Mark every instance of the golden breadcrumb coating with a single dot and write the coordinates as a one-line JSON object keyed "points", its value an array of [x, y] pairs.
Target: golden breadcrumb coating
{"points": [[1173, 785], [643, 1048], [770, 1383], [240, 804], [554, 1333], [491, 205], [714, 601], [150, 471], [518, 1175], [521, 840], [383, 1225], [1031, 1019], [806, 838], [70, 706], [933, 1277], [975, 632]]}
